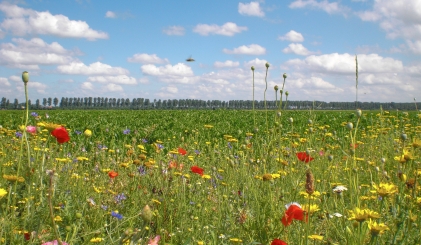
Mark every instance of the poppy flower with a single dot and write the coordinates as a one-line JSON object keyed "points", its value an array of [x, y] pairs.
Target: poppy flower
{"points": [[182, 151], [277, 241], [112, 174], [197, 170], [154, 241], [354, 146], [61, 135], [294, 211], [302, 156]]}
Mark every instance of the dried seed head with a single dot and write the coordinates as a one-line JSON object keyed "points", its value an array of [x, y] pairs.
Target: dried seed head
{"points": [[310, 188]]}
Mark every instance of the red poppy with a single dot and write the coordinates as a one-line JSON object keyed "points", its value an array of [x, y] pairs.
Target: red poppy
{"points": [[61, 135], [27, 236], [197, 170], [112, 174], [354, 146], [302, 156], [182, 151], [293, 211], [277, 241]]}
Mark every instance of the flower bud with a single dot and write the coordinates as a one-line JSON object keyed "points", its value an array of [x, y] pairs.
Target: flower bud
{"points": [[310, 121], [252, 68], [88, 133], [404, 137], [358, 112], [330, 157], [383, 160], [147, 214], [286, 93], [285, 75], [276, 87], [350, 126], [281, 91], [25, 77], [291, 120], [267, 65]]}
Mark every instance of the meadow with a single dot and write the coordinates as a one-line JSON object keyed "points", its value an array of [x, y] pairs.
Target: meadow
{"points": [[210, 177]]}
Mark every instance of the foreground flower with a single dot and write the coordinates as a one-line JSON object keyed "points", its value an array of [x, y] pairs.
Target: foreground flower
{"points": [[384, 189], [97, 240], [277, 241], [3, 193], [154, 241], [197, 170], [302, 156], [31, 129], [182, 151], [112, 174], [294, 211], [88, 133], [61, 135], [316, 237], [376, 228], [359, 215]]}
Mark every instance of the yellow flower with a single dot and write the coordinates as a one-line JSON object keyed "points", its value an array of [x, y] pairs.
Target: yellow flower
{"points": [[316, 237], [3, 193], [51, 126], [384, 189], [58, 219], [310, 208], [376, 228], [359, 215], [372, 214], [82, 158], [96, 240], [267, 177], [200, 242], [313, 196], [235, 240], [208, 126], [13, 178], [88, 133], [206, 176]]}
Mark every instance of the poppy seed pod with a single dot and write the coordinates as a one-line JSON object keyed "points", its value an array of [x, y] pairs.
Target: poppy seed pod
{"points": [[25, 77], [267, 65], [350, 126], [330, 158], [358, 112], [291, 120], [286, 93], [281, 91], [276, 87], [147, 214], [252, 68], [284, 76], [404, 137]]}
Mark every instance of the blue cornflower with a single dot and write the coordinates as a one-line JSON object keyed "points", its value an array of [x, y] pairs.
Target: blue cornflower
{"points": [[229, 145], [120, 197], [78, 132], [126, 131], [142, 170], [160, 146], [18, 134], [197, 152], [34, 114], [144, 141], [116, 215]]}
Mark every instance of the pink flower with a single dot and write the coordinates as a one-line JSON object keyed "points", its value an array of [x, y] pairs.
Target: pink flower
{"points": [[31, 129], [154, 241], [55, 242]]}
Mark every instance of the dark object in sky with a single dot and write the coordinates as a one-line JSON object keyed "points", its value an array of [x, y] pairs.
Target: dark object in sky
{"points": [[190, 59]]}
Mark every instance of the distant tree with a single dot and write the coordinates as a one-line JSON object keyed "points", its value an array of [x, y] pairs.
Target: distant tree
{"points": [[49, 101], [29, 104], [55, 102], [44, 102]]}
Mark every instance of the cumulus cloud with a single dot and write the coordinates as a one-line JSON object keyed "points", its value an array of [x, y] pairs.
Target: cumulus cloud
{"points": [[113, 88], [325, 5], [252, 49], [174, 31], [171, 89], [110, 14], [227, 63], [31, 53], [121, 79], [21, 21], [297, 48], [87, 86], [179, 73], [147, 59], [227, 29], [251, 9], [257, 63], [4, 82], [292, 36], [97, 68]]}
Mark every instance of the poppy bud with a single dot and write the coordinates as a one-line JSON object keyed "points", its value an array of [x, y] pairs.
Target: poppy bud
{"points": [[285, 75], [404, 137], [350, 126], [25, 77], [286, 93], [252, 68], [310, 130], [276, 87], [267, 65], [279, 114], [290, 120], [330, 157], [358, 112], [383, 160], [147, 214], [310, 121]]}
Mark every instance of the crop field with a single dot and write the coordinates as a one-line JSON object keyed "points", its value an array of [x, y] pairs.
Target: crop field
{"points": [[210, 177]]}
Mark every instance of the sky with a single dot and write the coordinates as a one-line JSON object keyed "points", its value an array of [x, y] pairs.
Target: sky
{"points": [[138, 49]]}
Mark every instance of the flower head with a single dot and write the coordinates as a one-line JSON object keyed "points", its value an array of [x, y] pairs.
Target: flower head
{"points": [[277, 241], [294, 211], [112, 174], [182, 151], [197, 170], [3, 193], [302, 156], [126, 131], [384, 189], [88, 133], [61, 135], [55, 242], [155, 240], [25, 77], [377, 228], [31, 129]]}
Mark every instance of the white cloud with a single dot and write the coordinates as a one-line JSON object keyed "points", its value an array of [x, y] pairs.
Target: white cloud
{"points": [[97, 68], [292, 36], [252, 9], [345, 64], [297, 48], [113, 88], [171, 89], [325, 5], [179, 69], [121, 79], [174, 31], [4, 82], [31, 53], [257, 63], [147, 59], [252, 49], [87, 86], [227, 63], [110, 14], [227, 29], [21, 21]]}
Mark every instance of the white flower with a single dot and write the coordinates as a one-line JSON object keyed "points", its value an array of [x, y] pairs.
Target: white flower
{"points": [[339, 189]]}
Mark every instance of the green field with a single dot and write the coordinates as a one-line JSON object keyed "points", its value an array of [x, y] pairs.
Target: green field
{"points": [[356, 178]]}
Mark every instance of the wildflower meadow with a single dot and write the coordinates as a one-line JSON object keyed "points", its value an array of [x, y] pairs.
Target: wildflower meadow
{"points": [[210, 177]]}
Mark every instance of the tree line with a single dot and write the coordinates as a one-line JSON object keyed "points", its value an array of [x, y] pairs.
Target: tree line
{"points": [[101, 103]]}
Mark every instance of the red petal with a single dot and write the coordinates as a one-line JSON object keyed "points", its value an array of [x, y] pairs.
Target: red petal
{"points": [[278, 242], [182, 151]]}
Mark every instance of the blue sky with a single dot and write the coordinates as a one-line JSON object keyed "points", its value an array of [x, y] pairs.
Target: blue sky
{"points": [[132, 49]]}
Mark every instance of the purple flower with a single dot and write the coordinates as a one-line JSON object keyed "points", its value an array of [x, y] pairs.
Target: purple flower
{"points": [[104, 207], [142, 170], [229, 145], [197, 152], [116, 215], [160, 146], [144, 141], [120, 197], [126, 131], [34, 114], [18, 134], [78, 132]]}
